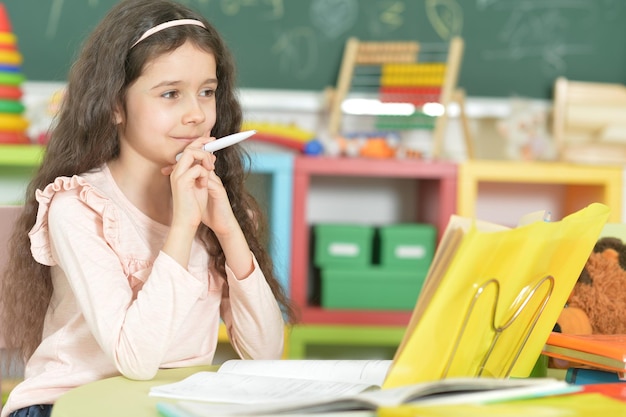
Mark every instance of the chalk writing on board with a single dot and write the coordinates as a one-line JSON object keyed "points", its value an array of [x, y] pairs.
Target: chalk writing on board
{"points": [[334, 17], [53, 18], [482, 4], [273, 9], [297, 52], [386, 17], [446, 17], [392, 15], [55, 14], [539, 30]]}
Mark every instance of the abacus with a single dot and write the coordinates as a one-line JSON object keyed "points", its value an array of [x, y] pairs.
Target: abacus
{"points": [[12, 123], [424, 76]]}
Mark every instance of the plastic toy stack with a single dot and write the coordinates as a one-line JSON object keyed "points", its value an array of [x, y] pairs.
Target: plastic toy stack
{"points": [[13, 124]]}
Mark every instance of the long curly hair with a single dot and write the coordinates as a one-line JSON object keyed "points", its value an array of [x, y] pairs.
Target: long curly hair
{"points": [[83, 137]]}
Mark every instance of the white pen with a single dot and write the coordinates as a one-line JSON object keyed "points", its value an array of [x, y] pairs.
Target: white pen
{"points": [[225, 141]]}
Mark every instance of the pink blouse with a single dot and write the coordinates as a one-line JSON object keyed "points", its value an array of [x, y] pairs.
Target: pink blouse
{"points": [[121, 306]]}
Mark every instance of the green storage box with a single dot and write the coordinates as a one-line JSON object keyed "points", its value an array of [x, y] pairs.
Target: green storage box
{"points": [[373, 288], [343, 245], [409, 245]]}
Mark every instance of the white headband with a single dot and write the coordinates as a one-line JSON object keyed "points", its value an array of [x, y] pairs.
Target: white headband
{"points": [[166, 25]]}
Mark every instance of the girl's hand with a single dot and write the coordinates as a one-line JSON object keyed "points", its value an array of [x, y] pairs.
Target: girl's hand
{"points": [[199, 196], [219, 215], [189, 181], [198, 193], [220, 218]]}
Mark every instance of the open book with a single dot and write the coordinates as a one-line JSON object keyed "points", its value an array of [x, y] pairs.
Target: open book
{"points": [[243, 387], [262, 381]]}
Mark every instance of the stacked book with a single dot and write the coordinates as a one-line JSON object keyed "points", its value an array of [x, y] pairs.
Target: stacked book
{"points": [[597, 351]]}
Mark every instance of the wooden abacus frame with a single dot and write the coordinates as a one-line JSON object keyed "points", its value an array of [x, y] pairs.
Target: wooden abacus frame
{"points": [[375, 53]]}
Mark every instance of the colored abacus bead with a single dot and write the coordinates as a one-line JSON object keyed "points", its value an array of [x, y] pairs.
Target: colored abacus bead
{"points": [[11, 106], [10, 92], [13, 123]]}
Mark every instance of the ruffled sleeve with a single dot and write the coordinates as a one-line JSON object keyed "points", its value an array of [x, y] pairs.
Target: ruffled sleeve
{"points": [[78, 186]]}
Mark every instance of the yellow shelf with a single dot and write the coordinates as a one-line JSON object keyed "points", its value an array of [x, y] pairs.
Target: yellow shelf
{"points": [[583, 184], [21, 155]]}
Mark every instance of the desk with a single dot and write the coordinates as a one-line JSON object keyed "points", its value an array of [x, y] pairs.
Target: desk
{"points": [[119, 396], [122, 397]]}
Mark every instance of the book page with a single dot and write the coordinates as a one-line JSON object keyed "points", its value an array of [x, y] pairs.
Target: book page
{"points": [[370, 372], [348, 407], [535, 216], [251, 389]]}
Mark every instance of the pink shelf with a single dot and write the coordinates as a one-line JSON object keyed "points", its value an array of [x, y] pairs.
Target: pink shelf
{"points": [[437, 190], [319, 315]]}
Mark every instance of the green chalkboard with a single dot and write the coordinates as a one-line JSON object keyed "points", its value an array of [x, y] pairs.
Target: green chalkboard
{"points": [[512, 47]]}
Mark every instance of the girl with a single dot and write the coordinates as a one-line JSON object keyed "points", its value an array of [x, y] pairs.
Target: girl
{"points": [[136, 257]]}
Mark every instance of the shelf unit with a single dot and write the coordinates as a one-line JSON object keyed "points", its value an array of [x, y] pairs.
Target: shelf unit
{"points": [[279, 168], [573, 186], [436, 184]]}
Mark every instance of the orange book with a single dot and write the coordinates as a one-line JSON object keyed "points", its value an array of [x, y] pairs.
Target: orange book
{"points": [[606, 352]]}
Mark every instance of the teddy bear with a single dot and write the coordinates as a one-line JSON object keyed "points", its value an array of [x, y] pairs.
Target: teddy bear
{"points": [[597, 303]]}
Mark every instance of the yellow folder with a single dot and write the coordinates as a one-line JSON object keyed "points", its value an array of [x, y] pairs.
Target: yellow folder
{"points": [[492, 297]]}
